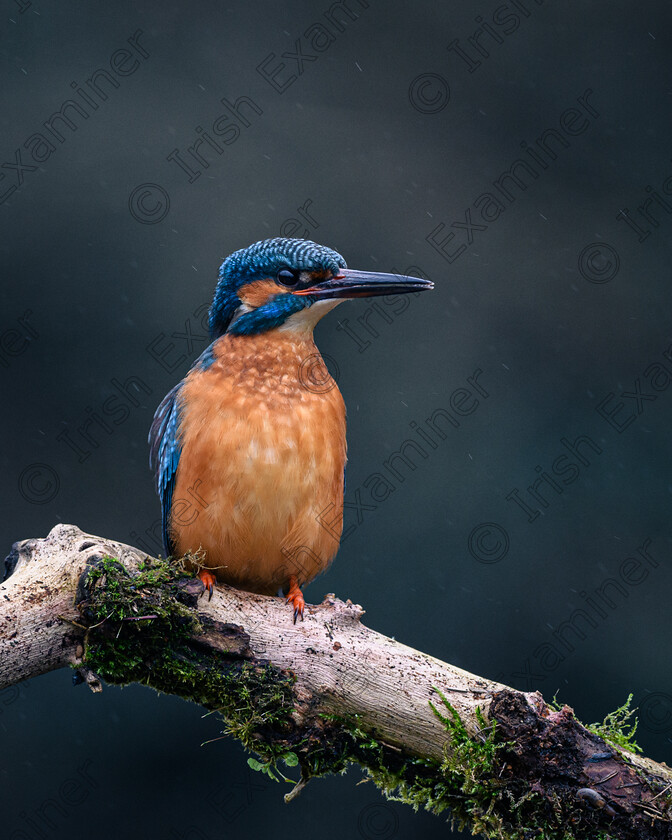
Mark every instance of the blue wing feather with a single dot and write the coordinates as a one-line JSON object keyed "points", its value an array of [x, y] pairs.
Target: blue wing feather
{"points": [[164, 455], [165, 446]]}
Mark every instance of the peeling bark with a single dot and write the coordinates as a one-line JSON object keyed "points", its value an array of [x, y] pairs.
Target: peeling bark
{"points": [[328, 691]]}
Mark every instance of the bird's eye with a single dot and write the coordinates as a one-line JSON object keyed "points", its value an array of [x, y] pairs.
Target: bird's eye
{"points": [[288, 276]]}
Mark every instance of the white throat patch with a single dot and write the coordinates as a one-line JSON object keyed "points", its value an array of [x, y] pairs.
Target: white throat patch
{"points": [[304, 321]]}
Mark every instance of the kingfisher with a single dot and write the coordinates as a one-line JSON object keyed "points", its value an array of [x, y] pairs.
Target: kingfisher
{"points": [[249, 449]]}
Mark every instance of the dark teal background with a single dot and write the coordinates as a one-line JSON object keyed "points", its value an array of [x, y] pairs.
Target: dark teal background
{"points": [[385, 139]]}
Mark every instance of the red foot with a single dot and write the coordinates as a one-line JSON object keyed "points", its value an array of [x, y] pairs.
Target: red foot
{"points": [[208, 580], [295, 598]]}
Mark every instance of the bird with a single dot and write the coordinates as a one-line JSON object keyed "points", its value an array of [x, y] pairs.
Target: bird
{"points": [[249, 449]]}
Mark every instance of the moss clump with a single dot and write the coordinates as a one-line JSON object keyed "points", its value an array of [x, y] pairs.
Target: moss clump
{"points": [[270, 766], [471, 761], [618, 728], [465, 781], [142, 630], [474, 782]]}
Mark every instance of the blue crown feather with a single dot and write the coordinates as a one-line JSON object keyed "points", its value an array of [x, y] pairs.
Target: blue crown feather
{"points": [[263, 260]]}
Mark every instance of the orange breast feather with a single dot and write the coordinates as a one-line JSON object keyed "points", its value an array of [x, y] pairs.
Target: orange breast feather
{"points": [[259, 484]]}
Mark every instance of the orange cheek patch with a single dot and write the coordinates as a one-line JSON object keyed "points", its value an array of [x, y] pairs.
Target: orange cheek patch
{"points": [[258, 293]]}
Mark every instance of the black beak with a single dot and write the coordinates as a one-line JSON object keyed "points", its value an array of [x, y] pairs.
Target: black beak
{"points": [[355, 284]]}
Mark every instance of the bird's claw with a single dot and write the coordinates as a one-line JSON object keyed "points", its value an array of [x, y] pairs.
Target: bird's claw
{"points": [[298, 608], [295, 598], [208, 580]]}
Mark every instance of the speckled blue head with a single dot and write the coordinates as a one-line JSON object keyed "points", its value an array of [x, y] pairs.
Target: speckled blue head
{"points": [[261, 261]]}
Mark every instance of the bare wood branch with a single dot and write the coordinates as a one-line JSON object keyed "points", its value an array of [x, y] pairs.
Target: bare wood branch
{"points": [[327, 691]]}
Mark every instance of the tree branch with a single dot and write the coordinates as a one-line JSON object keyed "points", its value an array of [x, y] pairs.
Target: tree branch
{"points": [[324, 693]]}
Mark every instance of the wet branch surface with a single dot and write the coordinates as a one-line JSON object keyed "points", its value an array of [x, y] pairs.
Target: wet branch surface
{"points": [[324, 693]]}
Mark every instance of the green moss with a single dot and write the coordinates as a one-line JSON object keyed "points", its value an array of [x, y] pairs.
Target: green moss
{"points": [[473, 783], [270, 766], [618, 727], [141, 631], [464, 782]]}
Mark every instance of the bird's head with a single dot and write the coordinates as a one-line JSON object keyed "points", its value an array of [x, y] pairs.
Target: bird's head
{"points": [[291, 283]]}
